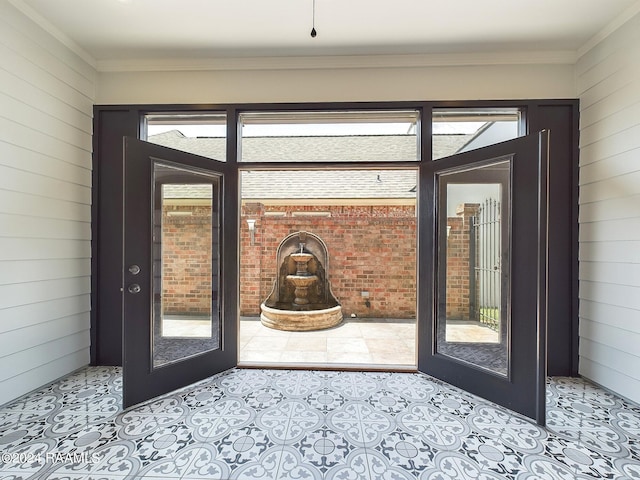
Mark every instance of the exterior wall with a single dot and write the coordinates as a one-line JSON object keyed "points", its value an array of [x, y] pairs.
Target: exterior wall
{"points": [[608, 79], [186, 270], [459, 263], [494, 81], [46, 101], [371, 249]]}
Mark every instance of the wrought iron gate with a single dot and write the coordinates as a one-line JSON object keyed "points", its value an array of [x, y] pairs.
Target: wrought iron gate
{"points": [[486, 251]]}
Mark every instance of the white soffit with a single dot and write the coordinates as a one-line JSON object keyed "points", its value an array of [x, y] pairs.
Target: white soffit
{"points": [[123, 35]]}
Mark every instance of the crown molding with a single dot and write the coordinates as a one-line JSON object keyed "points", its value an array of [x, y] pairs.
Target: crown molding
{"points": [[338, 62], [614, 25], [47, 26]]}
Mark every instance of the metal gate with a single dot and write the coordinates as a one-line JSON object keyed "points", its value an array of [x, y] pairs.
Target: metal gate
{"points": [[485, 275]]}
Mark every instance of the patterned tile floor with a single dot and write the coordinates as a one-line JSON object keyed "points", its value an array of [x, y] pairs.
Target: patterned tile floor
{"points": [[268, 424]]}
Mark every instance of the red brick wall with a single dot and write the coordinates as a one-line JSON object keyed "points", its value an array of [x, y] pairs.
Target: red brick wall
{"points": [[186, 272], [458, 262], [371, 249]]}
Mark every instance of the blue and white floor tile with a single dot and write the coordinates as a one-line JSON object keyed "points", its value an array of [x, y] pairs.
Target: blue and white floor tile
{"points": [[279, 424]]}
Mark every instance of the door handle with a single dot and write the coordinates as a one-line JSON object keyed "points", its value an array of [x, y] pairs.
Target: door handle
{"points": [[134, 288], [134, 269]]}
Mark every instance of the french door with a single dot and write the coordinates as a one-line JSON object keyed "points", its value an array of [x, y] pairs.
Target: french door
{"points": [[483, 309], [179, 326], [487, 338]]}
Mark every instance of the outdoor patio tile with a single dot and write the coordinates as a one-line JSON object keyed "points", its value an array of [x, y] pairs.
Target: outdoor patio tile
{"points": [[306, 344], [358, 341], [260, 355], [346, 357], [347, 329], [470, 333], [410, 343], [250, 326], [303, 357], [381, 330], [402, 358], [405, 330], [262, 331], [347, 345], [267, 343], [186, 328], [386, 345]]}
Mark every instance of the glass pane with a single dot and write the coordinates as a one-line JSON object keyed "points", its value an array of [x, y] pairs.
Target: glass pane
{"points": [[347, 136], [473, 321], [186, 259], [458, 130], [197, 133]]}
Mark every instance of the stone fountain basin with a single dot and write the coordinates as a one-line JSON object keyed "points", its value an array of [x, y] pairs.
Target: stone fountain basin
{"points": [[302, 280], [299, 321], [301, 256]]}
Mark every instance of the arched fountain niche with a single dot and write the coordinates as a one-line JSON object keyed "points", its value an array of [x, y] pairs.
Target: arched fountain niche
{"points": [[301, 298]]}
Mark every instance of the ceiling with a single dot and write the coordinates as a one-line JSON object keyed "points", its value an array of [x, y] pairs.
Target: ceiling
{"points": [[125, 30]]}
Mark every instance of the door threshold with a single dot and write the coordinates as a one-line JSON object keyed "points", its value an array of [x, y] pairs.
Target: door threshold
{"points": [[357, 367]]}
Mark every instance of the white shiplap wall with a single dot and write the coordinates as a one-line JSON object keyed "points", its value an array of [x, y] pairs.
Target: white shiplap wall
{"points": [[46, 104], [608, 82]]}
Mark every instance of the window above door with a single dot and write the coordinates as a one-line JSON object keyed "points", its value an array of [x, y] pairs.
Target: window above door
{"points": [[457, 130], [330, 136], [203, 134]]}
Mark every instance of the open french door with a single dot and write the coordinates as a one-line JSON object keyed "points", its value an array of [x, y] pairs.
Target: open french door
{"points": [[177, 332], [488, 232]]}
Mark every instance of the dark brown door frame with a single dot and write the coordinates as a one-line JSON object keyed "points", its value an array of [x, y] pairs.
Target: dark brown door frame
{"points": [[113, 122]]}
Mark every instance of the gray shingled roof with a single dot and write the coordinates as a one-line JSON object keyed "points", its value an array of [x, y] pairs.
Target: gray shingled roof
{"points": [[330, 148], [315, 184], [328, 184], [210, 147], [320, 148]]}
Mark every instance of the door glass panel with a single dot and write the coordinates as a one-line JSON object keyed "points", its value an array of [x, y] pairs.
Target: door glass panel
{"points": [[186, 259], [473, 321], [457, 130], [203, 134]]}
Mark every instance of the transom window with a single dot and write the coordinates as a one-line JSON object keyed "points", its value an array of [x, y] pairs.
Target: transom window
{"points": [[330, 136]]}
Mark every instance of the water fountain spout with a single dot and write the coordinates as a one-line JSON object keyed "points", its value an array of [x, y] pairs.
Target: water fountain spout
{"points": [[302, 279]]}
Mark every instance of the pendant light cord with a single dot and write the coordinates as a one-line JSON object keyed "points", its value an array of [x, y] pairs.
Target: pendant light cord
{"points": [[313, 21]]}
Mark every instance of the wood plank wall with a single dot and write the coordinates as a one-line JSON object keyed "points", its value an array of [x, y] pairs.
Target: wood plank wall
{"points": [[46, 105], [608, 82]]}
